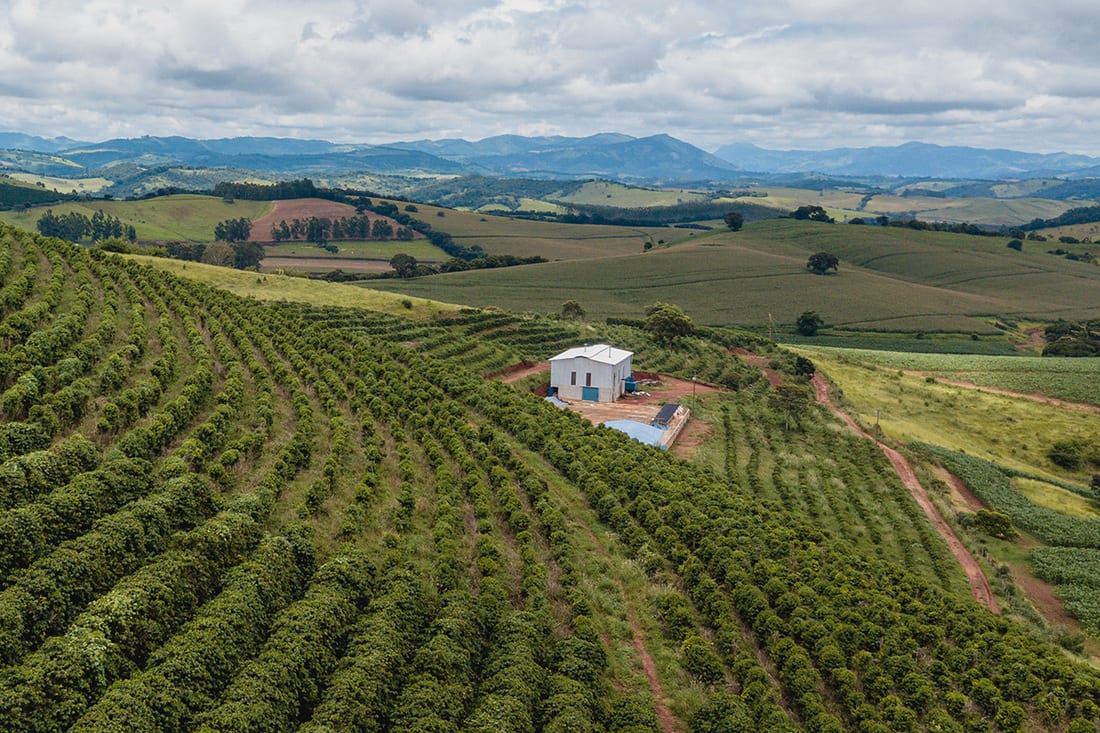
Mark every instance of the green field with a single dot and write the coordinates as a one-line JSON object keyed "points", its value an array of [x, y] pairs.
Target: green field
{"points": [[606, 193], [283, 288], [1072, 379], [1010, 431], [890, 279], [184, 217], [64, 185], [526, 238], [421, 249]]}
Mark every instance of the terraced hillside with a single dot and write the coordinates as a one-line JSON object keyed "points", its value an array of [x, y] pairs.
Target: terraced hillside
{"points": [[219, 515]]}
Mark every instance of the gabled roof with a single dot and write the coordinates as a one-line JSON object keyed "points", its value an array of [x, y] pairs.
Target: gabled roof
{"points": [[598, 352]]}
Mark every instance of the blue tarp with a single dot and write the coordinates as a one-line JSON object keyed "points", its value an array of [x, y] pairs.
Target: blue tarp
{"points": [[556, 402], [641, 432]]}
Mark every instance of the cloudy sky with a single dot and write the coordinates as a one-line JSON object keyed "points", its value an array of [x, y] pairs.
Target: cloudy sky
{"points": [[781, 74]]}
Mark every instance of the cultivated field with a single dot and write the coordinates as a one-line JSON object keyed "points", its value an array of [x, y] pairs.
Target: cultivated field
{"points": [[889, 279], [219, 514]]}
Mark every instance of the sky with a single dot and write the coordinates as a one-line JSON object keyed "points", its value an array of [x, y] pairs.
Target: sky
{"points": [[782, 74]]}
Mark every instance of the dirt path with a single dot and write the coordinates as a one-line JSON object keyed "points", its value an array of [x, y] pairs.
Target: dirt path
{"points": [[760, 362], [518, 371], [979, 584], [664, 716]]}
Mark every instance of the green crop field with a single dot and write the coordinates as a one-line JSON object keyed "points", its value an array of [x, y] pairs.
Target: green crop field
{"points": [[606, 193], [525, 238], [219, 514], [183, 217], [889, 279], [974, 210]]}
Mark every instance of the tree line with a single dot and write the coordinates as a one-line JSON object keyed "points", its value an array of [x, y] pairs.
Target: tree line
{"points": [[74, 226], [321, 229]]}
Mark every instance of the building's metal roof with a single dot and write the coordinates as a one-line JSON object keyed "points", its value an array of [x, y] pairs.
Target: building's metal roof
{"points": [[598, 352]]}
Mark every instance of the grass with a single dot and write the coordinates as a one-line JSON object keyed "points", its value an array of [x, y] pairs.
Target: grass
{"points": [[606, 193], [1076, 380], [64, 185], [1012, 432], [890, 279], [552, 240], [185, 217], [421, 249], [273, 287], [1057, 498]]}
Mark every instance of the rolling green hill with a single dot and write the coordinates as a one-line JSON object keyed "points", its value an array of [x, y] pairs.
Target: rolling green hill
{"points": [[185, 217], [220, 514], [889, 279]]}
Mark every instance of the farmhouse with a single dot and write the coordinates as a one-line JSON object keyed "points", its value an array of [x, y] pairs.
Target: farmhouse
{"points": [[595, 373]]}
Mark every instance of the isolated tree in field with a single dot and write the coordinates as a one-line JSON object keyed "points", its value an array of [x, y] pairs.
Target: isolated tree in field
{"points": [[1016, 244], [808, 323], [404, 265], [821, 262], [572, 309], [811, 213], [791, 401], [667, 322], [734, 221]]}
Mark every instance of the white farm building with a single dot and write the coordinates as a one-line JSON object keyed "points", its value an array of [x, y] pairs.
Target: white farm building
{"points": [[595, 373]]}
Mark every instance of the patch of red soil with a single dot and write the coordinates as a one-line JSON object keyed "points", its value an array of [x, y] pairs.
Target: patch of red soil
{"points": [[1041, 595], [292, 209], [324, 264], [1035, 342], [690, 438], [979, 584], [760, 362], [959, 487], [516, 372]]}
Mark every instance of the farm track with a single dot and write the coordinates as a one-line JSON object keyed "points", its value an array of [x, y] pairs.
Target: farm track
{"points": [[979, 584]]}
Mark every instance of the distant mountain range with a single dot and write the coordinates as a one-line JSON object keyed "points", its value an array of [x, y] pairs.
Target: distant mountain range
{"points": [[911, 160], [649, 160]]}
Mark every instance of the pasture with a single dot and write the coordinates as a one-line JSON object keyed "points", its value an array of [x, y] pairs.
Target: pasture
{"points": [[1064, 378], [283, 288], [1014, 432], [890, 279], [183, 217], [64, 185]]}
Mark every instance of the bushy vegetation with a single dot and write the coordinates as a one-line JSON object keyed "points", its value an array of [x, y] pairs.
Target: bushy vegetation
{"points": [[222, 515]]}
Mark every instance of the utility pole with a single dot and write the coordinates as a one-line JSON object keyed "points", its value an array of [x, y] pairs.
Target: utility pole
{"points": [[693, 377]]}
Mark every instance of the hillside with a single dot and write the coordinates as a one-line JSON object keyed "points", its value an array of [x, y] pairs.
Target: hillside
{"points": [[889, 279], [298, 517]]}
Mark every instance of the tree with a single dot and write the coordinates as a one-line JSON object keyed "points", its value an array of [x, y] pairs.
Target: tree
{"points": [[790, 400], [233, 230], [247, 254], [821, 262], [1016, 244], [572, 309], [219, 253], [404, 264], [667, 322], [811, 213], [734, 221], [803, 366], [808, 323]]}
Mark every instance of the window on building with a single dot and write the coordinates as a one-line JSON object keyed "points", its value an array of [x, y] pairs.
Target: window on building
{"points": [[588, 379], [573, 378]]}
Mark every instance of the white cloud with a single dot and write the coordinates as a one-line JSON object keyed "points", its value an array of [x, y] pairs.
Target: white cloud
{"points": [[791, 73]]}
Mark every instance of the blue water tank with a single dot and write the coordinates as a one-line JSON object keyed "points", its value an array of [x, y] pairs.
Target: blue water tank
{"points": [[630, 385]]}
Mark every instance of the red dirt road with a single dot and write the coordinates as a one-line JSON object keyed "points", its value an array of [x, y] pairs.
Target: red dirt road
{"points": [[979, 584]]}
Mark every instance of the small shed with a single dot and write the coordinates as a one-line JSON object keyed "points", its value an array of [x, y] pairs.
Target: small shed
{"points": [[596, 373]]}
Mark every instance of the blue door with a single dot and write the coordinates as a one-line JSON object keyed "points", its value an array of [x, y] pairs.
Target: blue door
{"points": [[592, 394]]}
